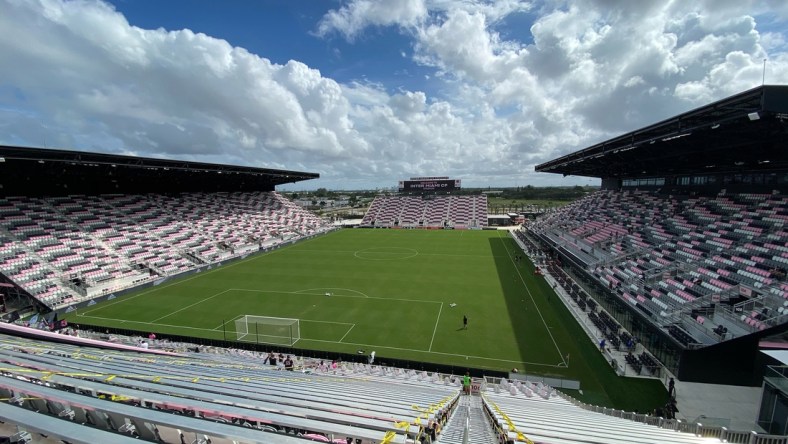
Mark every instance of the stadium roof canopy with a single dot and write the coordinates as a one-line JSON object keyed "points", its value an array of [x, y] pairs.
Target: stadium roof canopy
{"points": [[747, 132], [47, 172]]}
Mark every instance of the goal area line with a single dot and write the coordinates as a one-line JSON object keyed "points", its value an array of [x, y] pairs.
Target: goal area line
{"points": [[244, 334]]}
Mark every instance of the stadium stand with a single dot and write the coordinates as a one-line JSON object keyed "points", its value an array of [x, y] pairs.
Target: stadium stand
{"points": [[685, 244], [682, 261], [78, 392], [67, 249], [214, 395], [65, 238], [533, 410], [429, 211]]}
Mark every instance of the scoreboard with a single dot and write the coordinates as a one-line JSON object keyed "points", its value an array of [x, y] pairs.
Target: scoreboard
{"points": [[429, 184]]}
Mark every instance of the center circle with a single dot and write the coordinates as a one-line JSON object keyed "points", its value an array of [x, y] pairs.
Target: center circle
{"points": [[386, 253]]}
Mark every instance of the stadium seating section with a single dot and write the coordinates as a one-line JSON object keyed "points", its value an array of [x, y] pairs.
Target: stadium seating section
{"points": [[705, 268], [64, 250], [77, 393], [427, 211]]}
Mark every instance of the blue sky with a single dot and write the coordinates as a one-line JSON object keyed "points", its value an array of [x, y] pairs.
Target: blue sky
{"points": [[369, 92], [285, 30]]}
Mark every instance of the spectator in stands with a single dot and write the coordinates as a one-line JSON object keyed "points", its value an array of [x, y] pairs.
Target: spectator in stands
{"points": [[272, 359], [289, 363], [466, 384], [671, 409], [672, 388], [602, 345], [431, 431], [152, 336]]}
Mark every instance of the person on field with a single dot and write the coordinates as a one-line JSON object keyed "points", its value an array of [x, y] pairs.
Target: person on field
{"points": [[465, 322]]}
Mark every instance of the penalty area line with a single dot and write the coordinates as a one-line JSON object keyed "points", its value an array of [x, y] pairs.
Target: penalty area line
{"points": [[457, 355], [196, 275], [301, 292], [347, 332], [189, 306], [150, 323], [436, 326]]}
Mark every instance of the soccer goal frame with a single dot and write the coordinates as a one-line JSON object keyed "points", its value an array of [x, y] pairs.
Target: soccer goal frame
{"points": [[268, 330]]}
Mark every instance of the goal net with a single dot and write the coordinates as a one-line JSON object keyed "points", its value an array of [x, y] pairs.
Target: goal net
{"points": [[268, 330]]}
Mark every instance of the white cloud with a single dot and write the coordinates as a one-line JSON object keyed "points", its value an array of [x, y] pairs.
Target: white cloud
{"points": [[351, 19], [76, 74], [357, 15]]}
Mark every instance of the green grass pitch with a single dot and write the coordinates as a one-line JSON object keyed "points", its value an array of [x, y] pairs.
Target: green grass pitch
{"points": [[392, 291]]}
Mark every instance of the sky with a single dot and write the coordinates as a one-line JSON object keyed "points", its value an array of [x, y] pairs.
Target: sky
{"points": [[367, 93]]}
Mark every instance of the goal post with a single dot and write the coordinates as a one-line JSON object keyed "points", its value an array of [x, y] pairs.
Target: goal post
{"points": [[268, 330]]}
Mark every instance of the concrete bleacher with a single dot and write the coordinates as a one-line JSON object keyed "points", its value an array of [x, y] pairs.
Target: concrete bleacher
{"points": [[524, 411], [76, 392], [684, 261], [552, 419], [459, 212], [67, 249], [209, 396]]}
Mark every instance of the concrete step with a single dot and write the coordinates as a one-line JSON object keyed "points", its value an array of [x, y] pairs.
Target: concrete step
{"points": [[469, 410]]}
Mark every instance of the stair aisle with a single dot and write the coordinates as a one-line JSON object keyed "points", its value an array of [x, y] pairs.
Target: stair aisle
{"points": [[480, 430]]}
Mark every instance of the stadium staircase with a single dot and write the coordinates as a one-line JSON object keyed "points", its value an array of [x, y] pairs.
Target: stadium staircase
{"points": [[470, 411]]}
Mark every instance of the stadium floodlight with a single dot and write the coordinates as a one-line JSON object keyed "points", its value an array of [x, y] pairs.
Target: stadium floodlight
{"points": [[754, 115]]}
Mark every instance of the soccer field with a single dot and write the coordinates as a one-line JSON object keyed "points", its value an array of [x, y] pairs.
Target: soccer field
{"points": [[401, 293]]}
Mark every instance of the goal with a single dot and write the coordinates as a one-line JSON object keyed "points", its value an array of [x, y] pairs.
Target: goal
{"points": [[268, 330]]}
